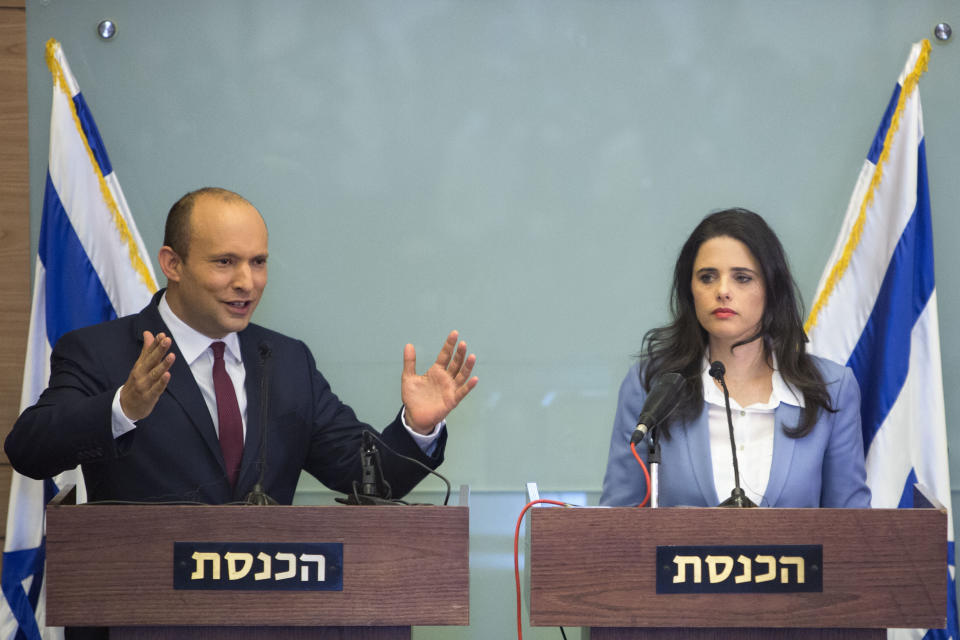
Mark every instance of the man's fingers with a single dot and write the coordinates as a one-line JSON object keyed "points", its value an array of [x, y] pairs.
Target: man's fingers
{"points": [[458, 357], [446, 353], [162, 367], [463, 390], [143, 388], [409, 360], [160, 385], [154, 349], [465, 371], [144, 380], [150, 395]]}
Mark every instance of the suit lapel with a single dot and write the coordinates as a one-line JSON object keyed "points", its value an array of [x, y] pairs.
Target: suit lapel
{"points": [[783, 448], [249, 351], [182, 387]]}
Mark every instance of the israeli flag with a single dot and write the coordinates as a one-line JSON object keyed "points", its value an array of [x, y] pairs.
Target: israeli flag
{"points": [[876, 310], [91, 267]]}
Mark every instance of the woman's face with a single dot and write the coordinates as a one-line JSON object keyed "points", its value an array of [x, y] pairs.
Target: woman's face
{"points": [[728, 291]]}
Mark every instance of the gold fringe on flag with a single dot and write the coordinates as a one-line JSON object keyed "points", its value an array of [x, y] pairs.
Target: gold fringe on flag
{"points": [[60, 82], [840, 266]]}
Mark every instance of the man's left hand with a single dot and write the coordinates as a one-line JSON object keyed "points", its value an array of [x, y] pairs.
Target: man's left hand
{"points": [[430, 397]]}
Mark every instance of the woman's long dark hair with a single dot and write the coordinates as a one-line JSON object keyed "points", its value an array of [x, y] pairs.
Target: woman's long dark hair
{"points": [[681, 345]]}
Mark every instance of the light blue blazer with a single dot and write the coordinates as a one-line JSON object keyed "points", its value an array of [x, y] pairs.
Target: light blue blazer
{"points": [[823, 469]]}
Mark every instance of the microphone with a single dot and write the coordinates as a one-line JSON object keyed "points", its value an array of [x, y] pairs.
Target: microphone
{"points": [[737, 497], [660, 403], [373, 488], [370, 469], [257, 495]]}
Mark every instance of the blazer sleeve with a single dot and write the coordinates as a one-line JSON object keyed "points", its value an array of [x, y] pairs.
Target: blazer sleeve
{"points": [[624, 483], [844, 468]]}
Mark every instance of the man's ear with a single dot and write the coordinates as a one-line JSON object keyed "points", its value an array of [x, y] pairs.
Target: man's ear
{"points": [[170, 263]]}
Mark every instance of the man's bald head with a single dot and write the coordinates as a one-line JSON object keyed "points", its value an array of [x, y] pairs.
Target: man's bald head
{"points": [[176, 234]]}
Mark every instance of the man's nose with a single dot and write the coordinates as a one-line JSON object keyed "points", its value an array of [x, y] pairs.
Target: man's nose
{"points": [[242, 277]]}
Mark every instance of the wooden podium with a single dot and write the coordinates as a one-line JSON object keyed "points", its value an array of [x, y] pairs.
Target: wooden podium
{"points": [[113, 566], [596, 568]]}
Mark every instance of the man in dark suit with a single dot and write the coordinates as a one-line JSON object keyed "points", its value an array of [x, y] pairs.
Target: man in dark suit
{"points": [[137, 402]]}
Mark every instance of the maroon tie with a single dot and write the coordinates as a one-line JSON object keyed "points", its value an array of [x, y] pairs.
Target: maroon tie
{"points": [[228, 414]]}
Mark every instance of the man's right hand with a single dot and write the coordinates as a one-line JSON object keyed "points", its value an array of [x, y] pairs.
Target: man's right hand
{"points": [[148, 378]]}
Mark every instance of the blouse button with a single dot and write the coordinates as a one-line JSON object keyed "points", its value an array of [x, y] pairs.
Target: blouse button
{"points": [[743, 413]]}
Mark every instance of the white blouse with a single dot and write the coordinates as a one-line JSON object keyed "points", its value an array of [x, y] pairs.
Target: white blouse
{"points": [[753, 429]]}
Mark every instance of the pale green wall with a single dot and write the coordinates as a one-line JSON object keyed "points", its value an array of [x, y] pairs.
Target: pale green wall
{"points": [[524, 171]]}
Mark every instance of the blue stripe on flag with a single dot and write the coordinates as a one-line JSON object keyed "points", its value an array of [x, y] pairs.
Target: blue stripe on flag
{"points": [[17, 567], [945, 633], [882, 355], [877, 147], [906, 498], [906, 502], [71, 279], [50, 490], [92, 134]]}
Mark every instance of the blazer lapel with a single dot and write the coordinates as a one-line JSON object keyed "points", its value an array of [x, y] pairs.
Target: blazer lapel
{"points": [[697, 436], [783, 448]]}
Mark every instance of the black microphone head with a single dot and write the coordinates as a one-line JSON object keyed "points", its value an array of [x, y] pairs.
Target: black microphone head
{"points": [[670, 381], [265, 350], [662, 399], [717, 369]]}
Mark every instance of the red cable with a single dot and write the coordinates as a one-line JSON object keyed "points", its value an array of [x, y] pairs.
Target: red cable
{"points": [[646, 474], [516, 535], [516, 555]]}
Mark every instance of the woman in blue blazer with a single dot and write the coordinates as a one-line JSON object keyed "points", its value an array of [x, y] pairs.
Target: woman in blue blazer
{"points": [[796, 417]]}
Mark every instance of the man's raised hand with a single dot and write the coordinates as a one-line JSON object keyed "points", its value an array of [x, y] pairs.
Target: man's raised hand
{"points": [[428, 398], [148, 378]]}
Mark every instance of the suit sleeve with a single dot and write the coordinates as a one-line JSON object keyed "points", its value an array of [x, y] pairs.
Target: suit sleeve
{"points": [[844, 469], [334, 455], [624, 483], [70, 423]]}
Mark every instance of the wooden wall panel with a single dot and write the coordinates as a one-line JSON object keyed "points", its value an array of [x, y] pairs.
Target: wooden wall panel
{"points": [[5, 472], [14, 223]]}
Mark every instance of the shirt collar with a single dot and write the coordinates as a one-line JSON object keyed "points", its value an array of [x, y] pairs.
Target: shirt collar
{"points": [[191, 342], [783, 392]]}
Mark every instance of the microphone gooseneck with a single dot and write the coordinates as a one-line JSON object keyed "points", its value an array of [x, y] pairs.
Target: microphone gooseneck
{"points": [[257, 495], [737, 497]]}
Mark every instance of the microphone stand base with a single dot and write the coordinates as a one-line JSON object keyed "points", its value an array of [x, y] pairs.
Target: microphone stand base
{"points": [[259, 498], [355, 499], [738, 499]]}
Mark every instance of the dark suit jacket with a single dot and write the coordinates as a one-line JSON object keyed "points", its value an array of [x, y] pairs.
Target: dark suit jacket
{"points": [[173, 454]]}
